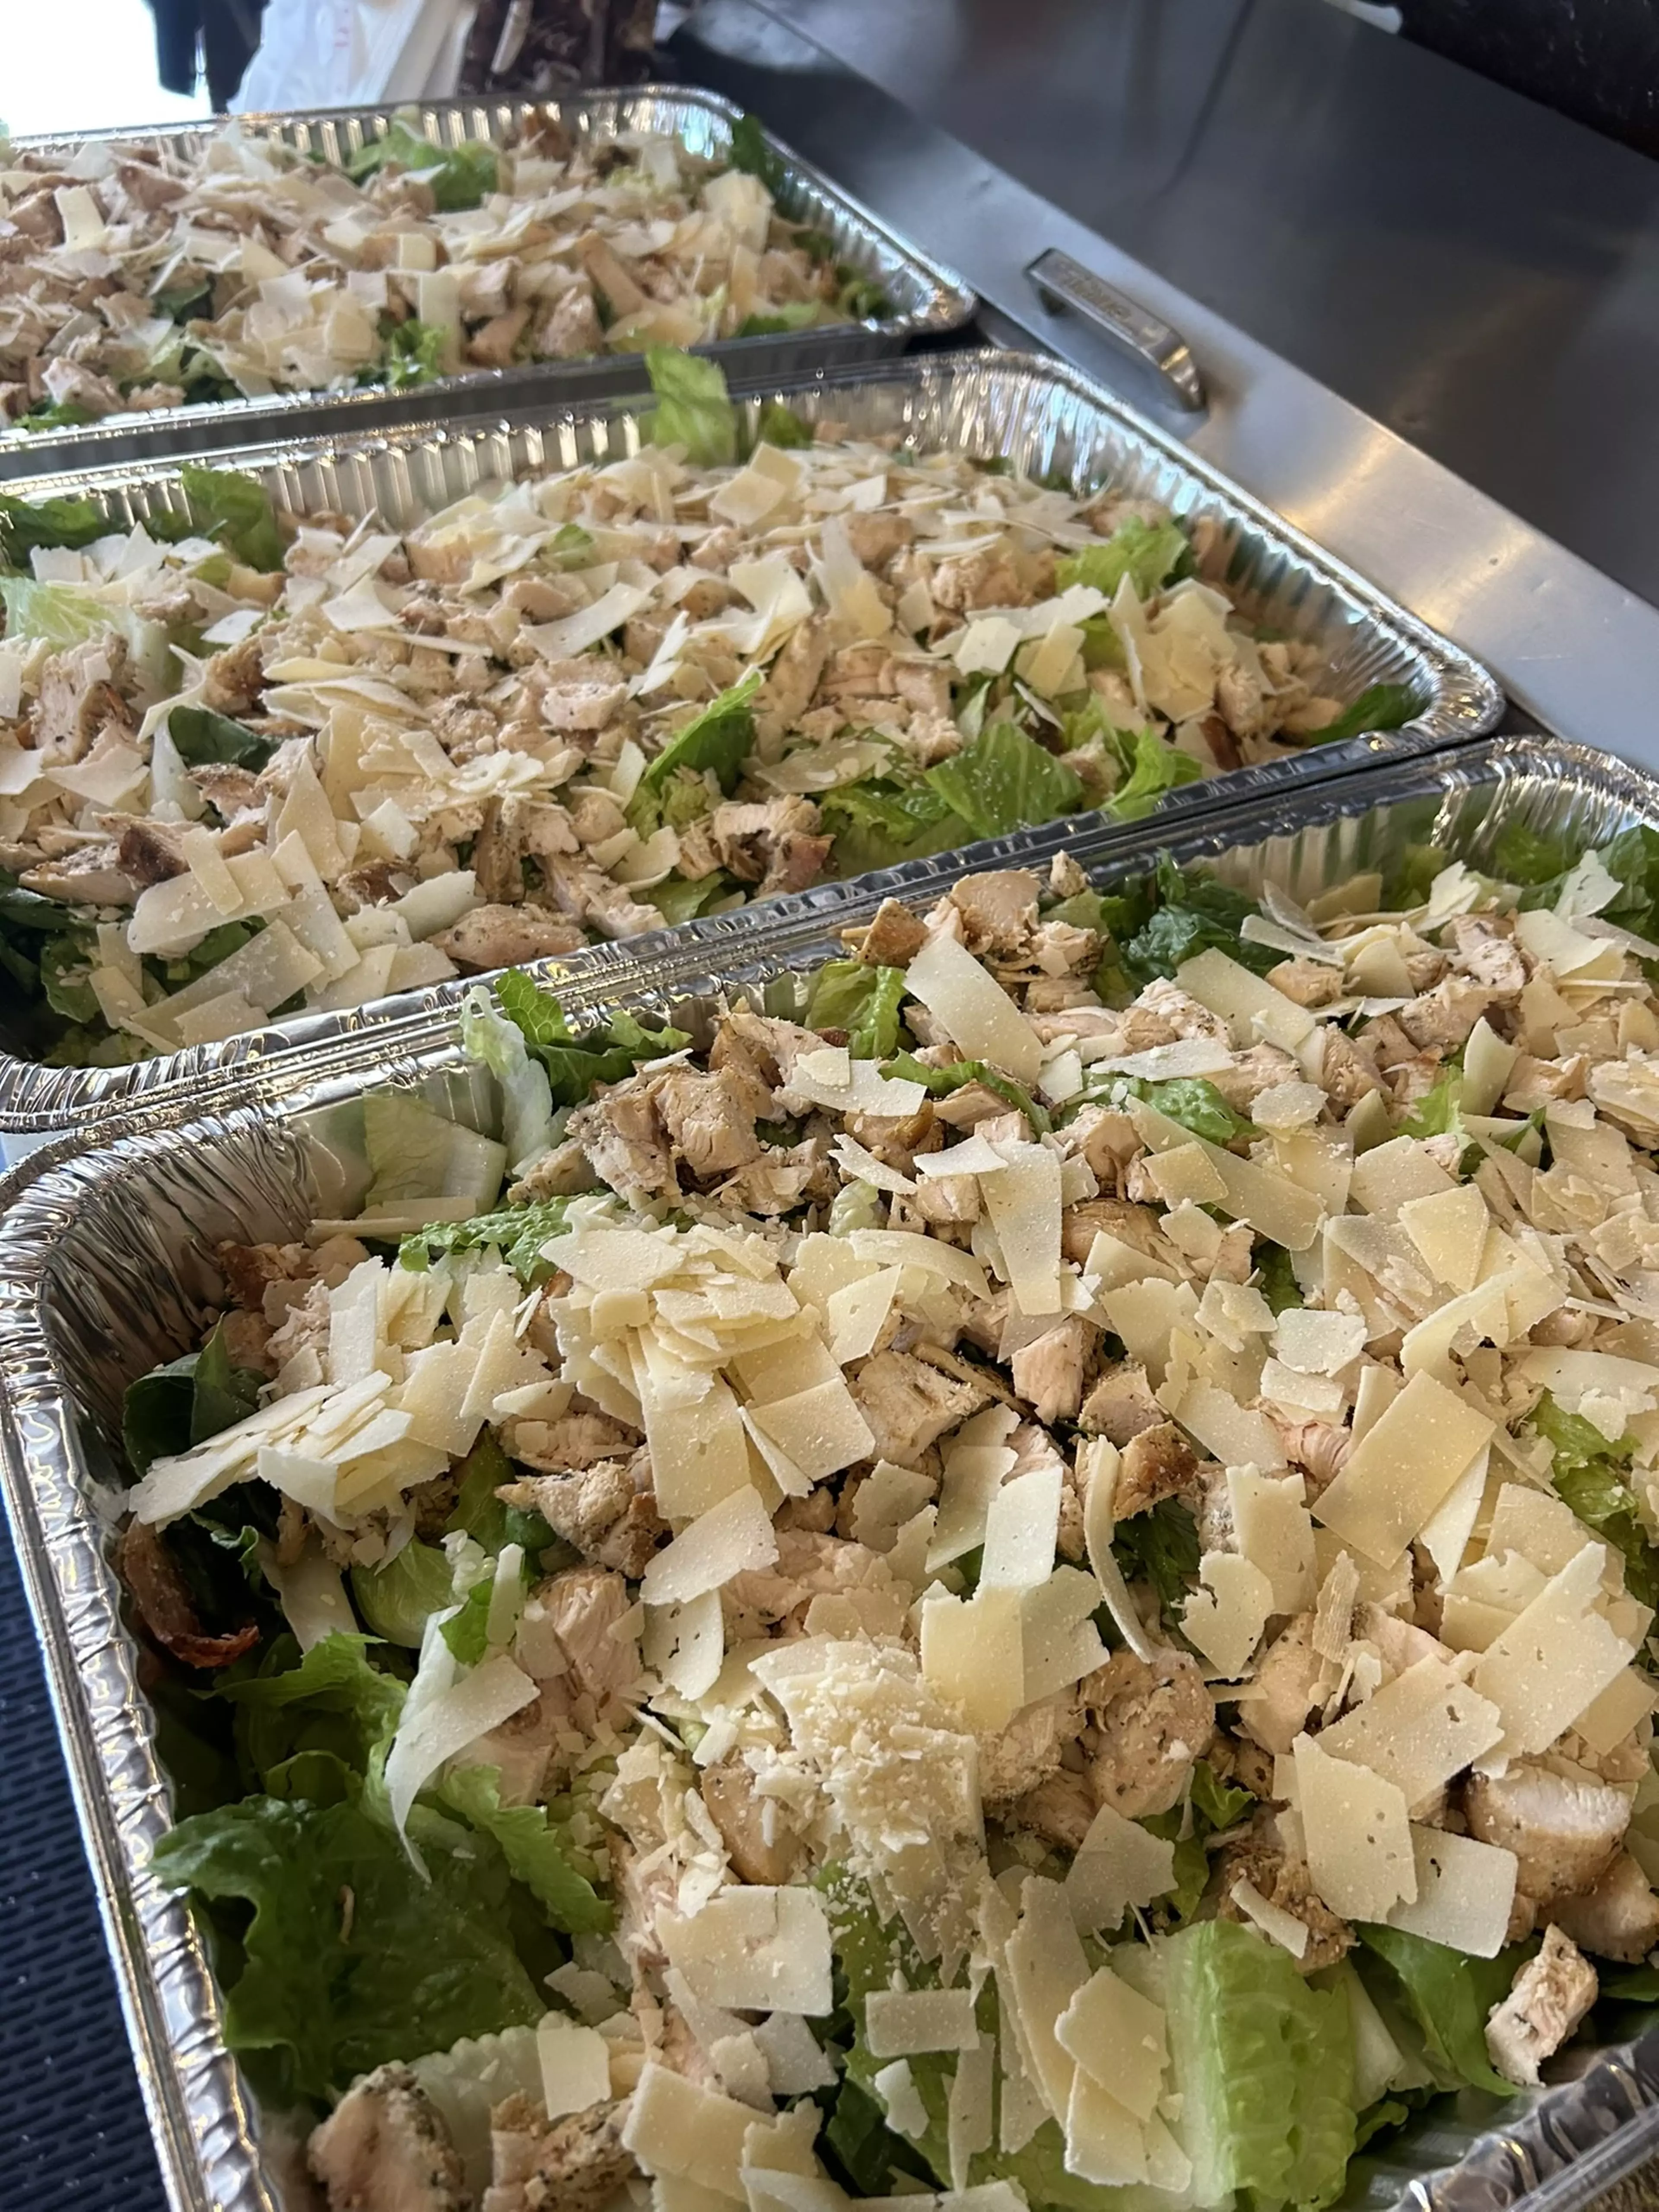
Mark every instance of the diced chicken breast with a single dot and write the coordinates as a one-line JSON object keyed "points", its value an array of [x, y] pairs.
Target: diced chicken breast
{"points": [[909, 1404], [1146, 1727], [1551, 1995], [1617, 1919], [1564, 1834], [384, 2149]]}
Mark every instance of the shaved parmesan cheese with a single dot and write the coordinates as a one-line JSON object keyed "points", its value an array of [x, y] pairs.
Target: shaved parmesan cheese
{"points": [[754, 1949], [686, 1643], [1145, 1314], [1224, 1619], [1254, 1009], [857, 1314], [1402, 1469], [574, 634], [675, 2126], [862, 1166], [1274, 1532], [1061, 1642], [904, 1248], [1449, 1229], [1118, 1864], [977, 1459], [1418, 1730], [1046, 1966], [1024, 1201], [699, 1454], [1100, 1469], [1236, 1435], [795, 2060], [732, 1537], [576, 2066], [1022, 1526], [1117, 2036], [434, 1727], [976, 1013], [895, 2085], [1555, 1659], [1186, 1175], [900, 2023], [973, 1653], [1316, 1343], [968, 2109], [1465, 1893], [1357, 1833], [821, 1429], [832, 1077], [1104, 2141], [1198, 1055], [1271, 1203], [1625, 1703], [1279, 1926]]}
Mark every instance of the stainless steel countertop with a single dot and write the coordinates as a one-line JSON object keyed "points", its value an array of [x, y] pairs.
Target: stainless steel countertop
{"points": [[864, 86]]}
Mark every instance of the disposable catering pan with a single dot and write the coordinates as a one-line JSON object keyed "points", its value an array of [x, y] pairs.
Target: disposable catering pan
{"points": [[924, 298], [106, 1267], [1034, 412]]}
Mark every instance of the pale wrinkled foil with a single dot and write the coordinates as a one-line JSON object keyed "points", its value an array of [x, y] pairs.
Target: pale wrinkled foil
{"points": [[1037, 413], [928, 299], [106, 1267]]}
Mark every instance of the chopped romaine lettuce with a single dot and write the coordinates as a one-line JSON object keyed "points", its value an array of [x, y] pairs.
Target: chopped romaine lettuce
{"points": [[535, 1854], [694, 408], [752, 154], [575, 1064], [498, 1044], [186, 1402], [1192, 1100], [202, 738], [889, 819], [230, 505], [1194, 913], [780, 425], [61, 615], [399, 1597], [1005, 780], [1263, 2066], [1160, 1546], [1383, 707], [1154, 769], [415, 355], [942, 1081], [1450, 1996], [864, 1001], [416, 1154], [718, 740], [1591, 1474], [517, 1232], [1150, 554], [350, 1958], [331, 1704], [26, 523], [459, 176]]}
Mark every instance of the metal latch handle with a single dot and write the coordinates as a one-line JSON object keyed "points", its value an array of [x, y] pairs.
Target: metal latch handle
{"points": [[1062, 282]]}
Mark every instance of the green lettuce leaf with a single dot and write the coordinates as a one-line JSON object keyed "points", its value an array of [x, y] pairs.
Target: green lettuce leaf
{"points": [[1155, 768], [517, 1232], [185, 1401], [780, 425], [694, 408], [1192, 1100], [459, 176], [66, 966], [941, 1081], [1383, 707], [1264, 2067], [862, 999], [63, 615], [752, 153], [1161, 1547], [1439, 1112], [534, 1854], [397, 1598], [236, 509], [886, 819], [677, 900], [1526, 856], [499, 1044], [350, 1959], [1150, 554], [1449, 1996], [1005, 780], [202, 738], [790, 315], [1589, 1473], [575, 1064], [477, 1511], [415, 353], [1194, 912], [1279, 1284], [331, 1700], [26, 523], [718, 740]]}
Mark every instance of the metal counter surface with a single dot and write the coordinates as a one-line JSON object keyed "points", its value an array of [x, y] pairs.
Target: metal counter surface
{"points": [[1578, 650], [1476, 273]]}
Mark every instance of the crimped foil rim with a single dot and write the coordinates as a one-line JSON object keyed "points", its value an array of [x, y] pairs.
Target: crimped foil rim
{"points": [[1467, 703], [946, 302], [204, 2123]]}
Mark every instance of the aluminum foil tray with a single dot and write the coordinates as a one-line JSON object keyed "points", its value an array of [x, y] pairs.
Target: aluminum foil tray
{"points": [[928, 299], [106, 1267], [1035, 412]]}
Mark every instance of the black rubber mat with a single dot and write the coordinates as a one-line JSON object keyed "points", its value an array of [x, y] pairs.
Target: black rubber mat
{"points": [[73, 2135]]}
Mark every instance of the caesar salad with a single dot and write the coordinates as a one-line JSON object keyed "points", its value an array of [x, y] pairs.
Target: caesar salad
{"points": [[1021, 1579]]}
